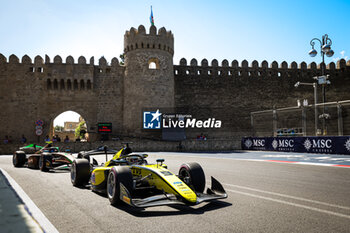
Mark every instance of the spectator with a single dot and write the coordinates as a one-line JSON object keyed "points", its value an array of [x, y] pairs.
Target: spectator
{"points": [[47, 139], [23, 139], [58, 138], [66, 139], [201, 137], [6, 139]]}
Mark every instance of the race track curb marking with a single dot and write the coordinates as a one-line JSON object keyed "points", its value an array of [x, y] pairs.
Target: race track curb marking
{"points": [[30, 206]]}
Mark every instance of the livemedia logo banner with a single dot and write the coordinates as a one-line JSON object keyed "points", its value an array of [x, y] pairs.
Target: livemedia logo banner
{"points": [[152, 119], [157, 119]]}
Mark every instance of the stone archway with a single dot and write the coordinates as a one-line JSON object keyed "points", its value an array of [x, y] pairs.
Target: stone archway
{"points": [[69, 120], [88, 114]]}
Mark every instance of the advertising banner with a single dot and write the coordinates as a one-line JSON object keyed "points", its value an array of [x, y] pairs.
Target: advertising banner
{"points": [[325, 145]]}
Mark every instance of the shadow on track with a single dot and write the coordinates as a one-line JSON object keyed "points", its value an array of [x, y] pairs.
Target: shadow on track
{"points": [[180, 209]]}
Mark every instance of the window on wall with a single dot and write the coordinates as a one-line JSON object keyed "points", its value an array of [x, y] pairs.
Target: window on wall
{"points": [[55, 84], [82, 85], [75, 84], [69, 85], [88, 85], [49, 84], [62, 84], [153, 64]]}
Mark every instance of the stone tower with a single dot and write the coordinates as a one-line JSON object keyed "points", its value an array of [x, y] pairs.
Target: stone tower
{"points": [[149, 74]]}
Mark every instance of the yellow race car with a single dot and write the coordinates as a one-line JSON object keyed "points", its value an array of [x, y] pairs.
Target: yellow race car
{"points": [[128, 178]]}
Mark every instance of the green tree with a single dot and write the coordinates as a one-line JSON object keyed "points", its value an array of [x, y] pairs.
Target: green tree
{"points": [[59, 128], [81, 128], [122, 59]]}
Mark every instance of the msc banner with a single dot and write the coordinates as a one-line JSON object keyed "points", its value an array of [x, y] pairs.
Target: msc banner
{"points": [[328, 145]]}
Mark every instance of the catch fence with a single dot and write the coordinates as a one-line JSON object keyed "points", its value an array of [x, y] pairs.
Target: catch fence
{"points": [[331, 118]]}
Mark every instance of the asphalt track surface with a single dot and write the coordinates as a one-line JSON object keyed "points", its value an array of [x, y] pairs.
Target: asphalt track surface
{"points": [[263, 197]]}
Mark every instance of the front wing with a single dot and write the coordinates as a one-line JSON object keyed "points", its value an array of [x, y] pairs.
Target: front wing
{"points": [[214, 193]]}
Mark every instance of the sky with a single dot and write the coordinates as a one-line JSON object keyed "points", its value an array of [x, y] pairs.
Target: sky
{"points": [[271, 30], [66, 116]]}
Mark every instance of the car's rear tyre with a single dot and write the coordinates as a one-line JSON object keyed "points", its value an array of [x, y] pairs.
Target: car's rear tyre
{"points": [[116, 176], [43, 160], [19, 159], [193, 175], [80, 172]]}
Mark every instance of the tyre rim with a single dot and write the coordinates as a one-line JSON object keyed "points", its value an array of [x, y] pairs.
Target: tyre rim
{"points": [[73, 173], [185, 176], [110, 185]]}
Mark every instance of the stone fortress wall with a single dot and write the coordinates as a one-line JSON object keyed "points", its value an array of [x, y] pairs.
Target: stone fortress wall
{"points": [[233, 91], [108, 92], [44, 89]]}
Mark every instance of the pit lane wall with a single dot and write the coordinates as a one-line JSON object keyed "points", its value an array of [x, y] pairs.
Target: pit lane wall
{"points": [[325, 145]]}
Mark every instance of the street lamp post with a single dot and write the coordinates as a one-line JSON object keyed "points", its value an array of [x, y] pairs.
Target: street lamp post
{"points": [[315, 100], [325, 48]]}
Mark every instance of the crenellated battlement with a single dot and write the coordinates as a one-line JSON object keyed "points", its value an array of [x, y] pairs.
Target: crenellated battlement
{"points": [[59, 75], [38, 60], [254, 69], [139, 39]]}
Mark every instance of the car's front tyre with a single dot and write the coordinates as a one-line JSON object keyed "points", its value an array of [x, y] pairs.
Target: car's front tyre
{"points": [[118, 175], [193, 175]]}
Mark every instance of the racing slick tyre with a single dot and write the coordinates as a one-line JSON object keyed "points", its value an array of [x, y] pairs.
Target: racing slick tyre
{"points": [[80, 172], [19, 159], [192, 174], [116, 176], [43, 160]]}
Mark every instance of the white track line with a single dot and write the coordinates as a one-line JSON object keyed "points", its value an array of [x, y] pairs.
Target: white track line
{"points": [[33, 210], [289, 196], [292, 204]]}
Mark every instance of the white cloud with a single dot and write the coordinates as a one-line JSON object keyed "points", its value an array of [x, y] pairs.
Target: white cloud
{"points": [[342, 53]]}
